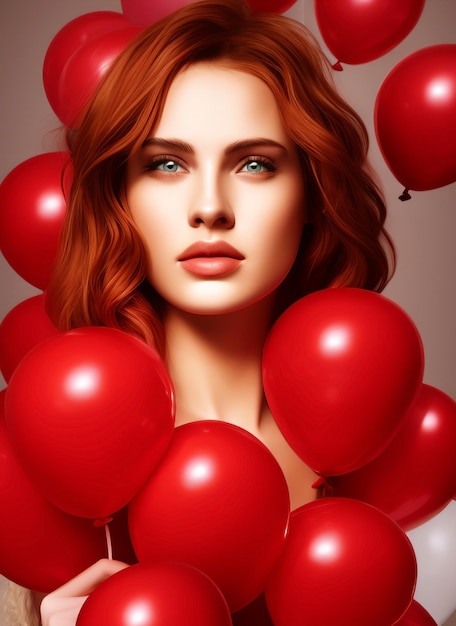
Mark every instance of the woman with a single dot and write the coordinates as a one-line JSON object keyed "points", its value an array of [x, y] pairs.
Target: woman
{"points": [[218, 177]]}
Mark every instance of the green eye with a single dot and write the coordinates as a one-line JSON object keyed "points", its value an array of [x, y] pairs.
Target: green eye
{"points": [[168, 166], [254, 167], [257, 166]]}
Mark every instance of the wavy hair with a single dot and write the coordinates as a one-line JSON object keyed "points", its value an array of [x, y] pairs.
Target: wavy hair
{"points": [[100, 275]]}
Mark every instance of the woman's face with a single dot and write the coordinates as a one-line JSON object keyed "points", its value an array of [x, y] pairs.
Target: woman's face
{"points": [[217, 192]]}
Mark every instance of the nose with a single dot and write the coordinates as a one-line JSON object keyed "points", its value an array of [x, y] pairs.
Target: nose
{"points": [[210, 205]]}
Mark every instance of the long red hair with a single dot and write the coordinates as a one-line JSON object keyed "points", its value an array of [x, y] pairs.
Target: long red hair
{"points": [[100, 275]]}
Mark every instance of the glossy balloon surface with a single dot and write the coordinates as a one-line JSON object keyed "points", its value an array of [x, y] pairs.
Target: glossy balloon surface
{"points": [[218, 501], [415, 118], [90, 413], [344, 563], [32, 210], [340, 368], [158, 594], [24, 327], [41, 547], [415, 477], [358, 32], [69, 38]]}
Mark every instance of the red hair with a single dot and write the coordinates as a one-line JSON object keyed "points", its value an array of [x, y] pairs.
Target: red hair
{"points": [[100, 276]]}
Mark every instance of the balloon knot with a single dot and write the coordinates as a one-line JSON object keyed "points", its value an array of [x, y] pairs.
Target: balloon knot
{"points": [[338, 66], [320, 482], [405, 195], [99, 523]]}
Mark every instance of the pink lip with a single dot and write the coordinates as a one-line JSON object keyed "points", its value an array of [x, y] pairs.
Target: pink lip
{"points": [[205, 258], [210, 249]]}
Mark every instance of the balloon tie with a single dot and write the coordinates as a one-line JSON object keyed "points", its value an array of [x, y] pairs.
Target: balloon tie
{"points": [[405, 195], [323, 487], [338, 66], [105, 523]]}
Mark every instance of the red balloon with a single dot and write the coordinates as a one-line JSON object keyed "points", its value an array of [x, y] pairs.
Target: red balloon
{"points": [[145, 12], [69, 39], [344, 563], [273, 6], [358, 32], [416, 615], [415, 119], [217, 501], [419, 463], [41, 547], [32, 209], [340, 368], [84, 70], [90, 413], [158, 594], [25, 326]]}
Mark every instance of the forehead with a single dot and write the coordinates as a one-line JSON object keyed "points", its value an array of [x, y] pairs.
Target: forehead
{"points": [[211, 98]]}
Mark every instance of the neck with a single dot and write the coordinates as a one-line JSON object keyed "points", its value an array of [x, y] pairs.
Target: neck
{"points": [[215, 364]]}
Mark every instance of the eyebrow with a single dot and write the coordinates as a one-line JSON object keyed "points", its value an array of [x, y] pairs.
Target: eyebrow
{"points": [[237, 146]]}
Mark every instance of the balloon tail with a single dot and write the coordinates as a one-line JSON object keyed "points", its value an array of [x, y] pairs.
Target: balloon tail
{"points": [[338, 66], [323, 487], [405, 195]]}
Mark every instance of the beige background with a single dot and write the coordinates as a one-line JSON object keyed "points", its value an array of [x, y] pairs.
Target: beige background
{"points": [[423, 228]]}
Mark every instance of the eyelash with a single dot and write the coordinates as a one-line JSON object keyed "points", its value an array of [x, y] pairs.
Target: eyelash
{"points": [[154, 163]]}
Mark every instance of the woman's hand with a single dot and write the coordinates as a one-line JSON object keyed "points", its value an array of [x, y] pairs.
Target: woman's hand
{"points": [[62, 606]]}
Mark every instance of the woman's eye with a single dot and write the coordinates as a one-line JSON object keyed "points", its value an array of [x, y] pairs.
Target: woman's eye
{"points": [[257, 166], [168, 166]]}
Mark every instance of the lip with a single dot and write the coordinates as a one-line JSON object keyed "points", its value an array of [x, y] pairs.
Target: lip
{"points": [[208, 249], [210, 259]]}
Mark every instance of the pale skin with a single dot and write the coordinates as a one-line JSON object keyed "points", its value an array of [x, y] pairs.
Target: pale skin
{"points": [[219, 169]]}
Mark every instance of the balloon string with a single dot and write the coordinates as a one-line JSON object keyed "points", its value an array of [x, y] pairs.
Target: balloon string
{"points": [[105, 523], [108, 541]]}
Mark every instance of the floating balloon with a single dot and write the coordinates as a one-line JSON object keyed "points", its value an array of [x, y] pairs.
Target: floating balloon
{"points": [[415, 119], [90, 413], [416, 615], [84, 70], [25, 326], [419, 462], [273, 6], [344, 563], [145, 12], [358, 32], [41, 547], [32, 209], [340, 368], [435, 547], [69, 39], [158, 594], [217, 501]]}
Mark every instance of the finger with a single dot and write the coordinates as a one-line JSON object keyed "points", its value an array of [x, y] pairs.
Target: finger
{"points": [[85, 582], [60, 611]]}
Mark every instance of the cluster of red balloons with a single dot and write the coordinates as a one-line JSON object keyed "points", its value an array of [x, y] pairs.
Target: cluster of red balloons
{"points": [[88, 435], [415, 105]]}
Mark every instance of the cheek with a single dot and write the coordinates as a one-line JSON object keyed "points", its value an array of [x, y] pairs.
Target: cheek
{"points": [[285, 229], [151, 222]]}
